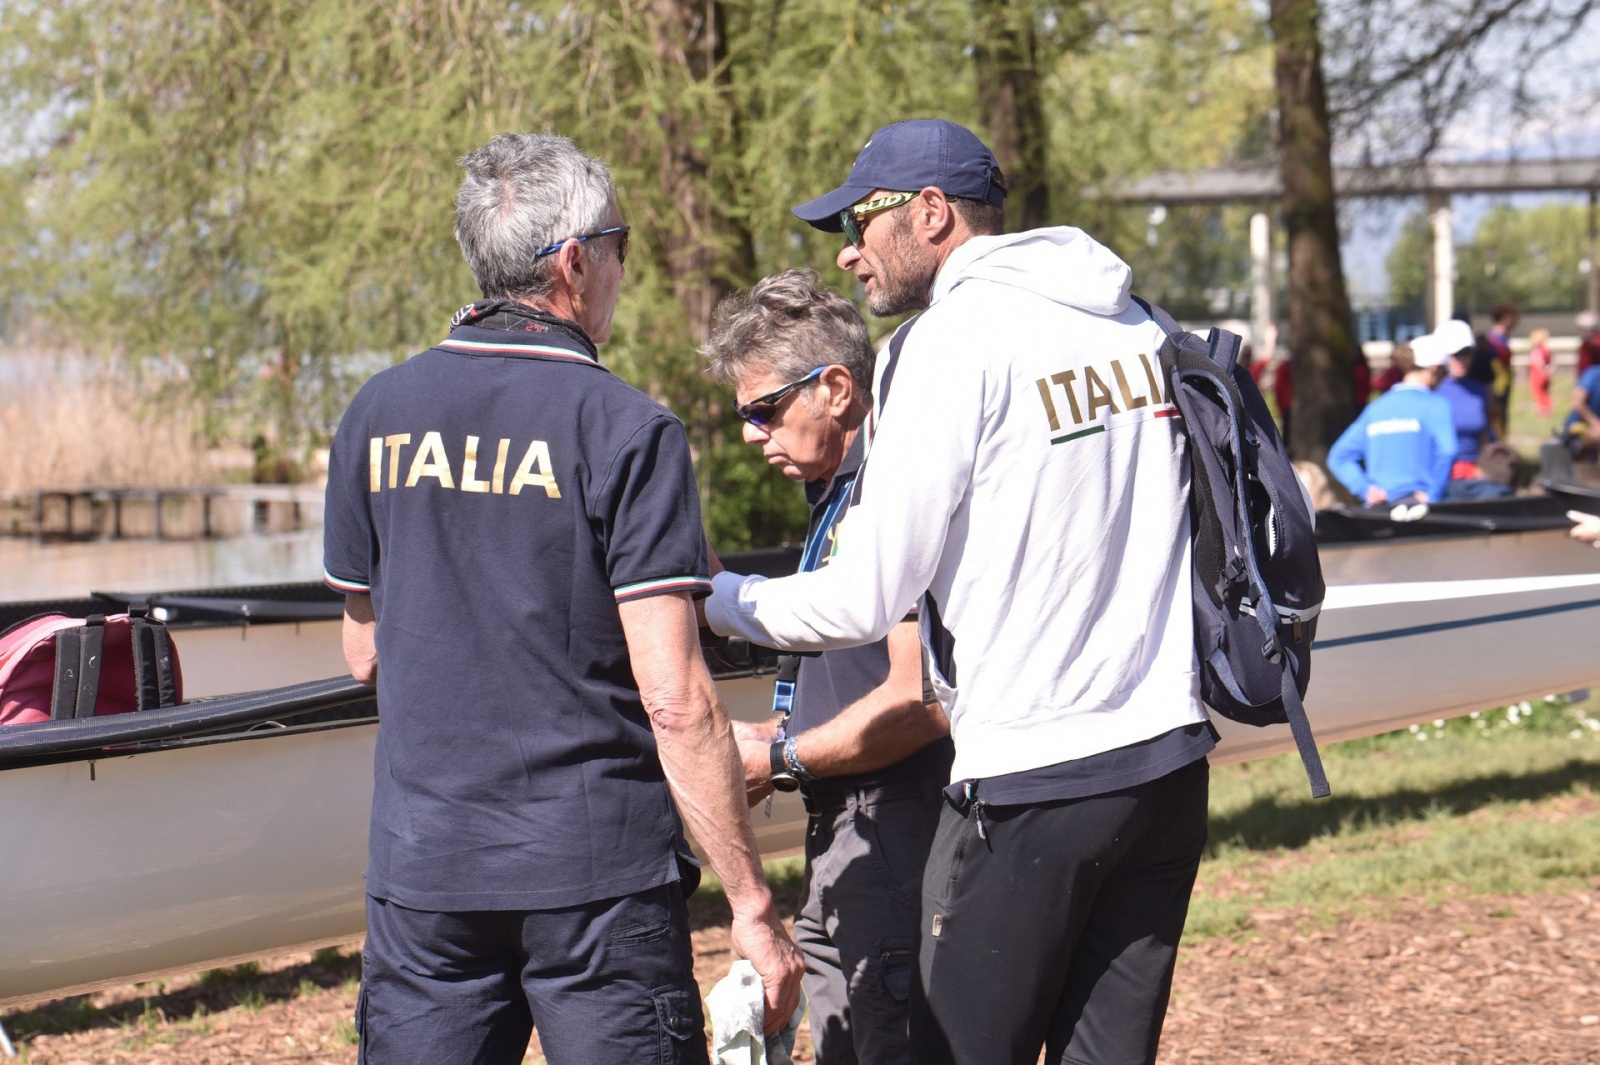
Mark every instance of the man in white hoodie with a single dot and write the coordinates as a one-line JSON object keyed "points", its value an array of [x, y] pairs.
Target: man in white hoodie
{"points": [[1027, 479]]}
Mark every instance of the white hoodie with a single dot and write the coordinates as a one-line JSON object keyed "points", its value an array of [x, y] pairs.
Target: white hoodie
{"points": [[1028, 473]]}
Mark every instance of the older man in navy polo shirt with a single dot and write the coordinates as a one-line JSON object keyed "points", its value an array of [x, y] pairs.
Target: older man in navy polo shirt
{"points": [[517, 535], [853, 730]]}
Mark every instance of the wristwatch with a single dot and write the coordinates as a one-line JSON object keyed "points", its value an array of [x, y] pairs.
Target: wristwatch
{"points": [[781, 779]]}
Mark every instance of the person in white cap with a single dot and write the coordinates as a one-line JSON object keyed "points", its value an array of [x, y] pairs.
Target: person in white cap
{"points": [[1401, 447]]}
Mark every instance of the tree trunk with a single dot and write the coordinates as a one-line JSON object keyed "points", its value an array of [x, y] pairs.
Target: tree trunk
{"points": [[1321, 344], [1010, 106], [706, 253]]}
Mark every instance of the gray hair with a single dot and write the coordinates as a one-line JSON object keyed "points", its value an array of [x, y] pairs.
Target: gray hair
{"points": [[789, 323], [523, 192]]}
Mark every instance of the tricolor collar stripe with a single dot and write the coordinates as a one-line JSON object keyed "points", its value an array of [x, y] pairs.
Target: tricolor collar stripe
{"points": [[660, 585], [480, 347]]}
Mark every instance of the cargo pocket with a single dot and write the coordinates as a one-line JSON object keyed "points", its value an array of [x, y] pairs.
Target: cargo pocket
{"points": [[897, 975], [681, 1022]]}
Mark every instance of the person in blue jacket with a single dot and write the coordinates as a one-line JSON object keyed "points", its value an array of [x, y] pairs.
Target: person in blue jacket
{"points": [[1402, 446]]}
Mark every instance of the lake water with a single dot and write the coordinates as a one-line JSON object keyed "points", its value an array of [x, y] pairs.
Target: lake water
{"points": [[31, 570]]}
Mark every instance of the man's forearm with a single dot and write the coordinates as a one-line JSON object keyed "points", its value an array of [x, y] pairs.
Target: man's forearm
{"points": [[695, 743], [873, 733], [885, 726], [702, 767]]}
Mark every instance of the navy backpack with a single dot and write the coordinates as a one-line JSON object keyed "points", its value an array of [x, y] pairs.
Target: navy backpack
{"points": [[1257, 579]]}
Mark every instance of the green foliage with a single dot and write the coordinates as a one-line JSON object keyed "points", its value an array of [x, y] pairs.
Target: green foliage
{"points": [[1528, 255], [1408, 262], [258, 196]]}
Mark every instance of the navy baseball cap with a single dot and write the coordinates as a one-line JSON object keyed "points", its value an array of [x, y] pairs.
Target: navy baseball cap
{"points": [[908, 156]]}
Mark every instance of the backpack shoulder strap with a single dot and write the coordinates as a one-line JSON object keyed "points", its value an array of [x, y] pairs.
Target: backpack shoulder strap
{"points": [[77, 681], [1222, 345], [152, 664]]}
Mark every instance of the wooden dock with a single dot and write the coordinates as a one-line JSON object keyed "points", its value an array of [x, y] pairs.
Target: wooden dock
{"points": [[180, 513]]}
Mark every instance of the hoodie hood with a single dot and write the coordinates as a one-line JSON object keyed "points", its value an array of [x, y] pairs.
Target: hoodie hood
{"points": [[1062, 264]]}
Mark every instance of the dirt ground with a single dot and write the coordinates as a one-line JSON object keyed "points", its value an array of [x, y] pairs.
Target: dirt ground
{"points": [[1474, 981]]}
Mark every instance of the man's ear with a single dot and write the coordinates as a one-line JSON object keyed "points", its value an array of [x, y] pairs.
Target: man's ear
{"points": [[841, 390], [571, 266], [933, 213]]}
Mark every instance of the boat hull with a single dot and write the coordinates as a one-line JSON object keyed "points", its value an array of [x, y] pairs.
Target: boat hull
{"points": [[128, 866], [134, 866]]}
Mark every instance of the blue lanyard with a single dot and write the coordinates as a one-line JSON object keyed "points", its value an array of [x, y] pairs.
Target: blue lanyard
{"points": [[783, 689]]}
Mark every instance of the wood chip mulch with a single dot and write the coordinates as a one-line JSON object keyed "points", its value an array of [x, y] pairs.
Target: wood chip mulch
{"points": [[1472, 981], [1465, 981]]}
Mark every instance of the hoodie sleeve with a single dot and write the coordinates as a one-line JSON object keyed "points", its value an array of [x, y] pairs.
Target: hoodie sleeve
{"points": [[917, 473], [1347, 457]]}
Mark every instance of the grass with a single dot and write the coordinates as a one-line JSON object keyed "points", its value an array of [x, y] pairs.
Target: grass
{"points": [[190, 1001], [1526, 428], [1501, 803], [786, 876], [1506, 802]]}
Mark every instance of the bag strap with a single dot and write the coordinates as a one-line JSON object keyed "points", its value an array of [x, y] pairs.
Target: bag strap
{"points": [[1304, 741], [152, 664], [1222, 345], [77, 681]]}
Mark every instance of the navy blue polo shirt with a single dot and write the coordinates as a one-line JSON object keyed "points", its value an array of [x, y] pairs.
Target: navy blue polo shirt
{"points": [[498, 495], [833, 680]]}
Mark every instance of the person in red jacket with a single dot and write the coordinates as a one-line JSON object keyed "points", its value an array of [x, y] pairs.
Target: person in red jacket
{"points": [[1539, 365], [1283, 387]]}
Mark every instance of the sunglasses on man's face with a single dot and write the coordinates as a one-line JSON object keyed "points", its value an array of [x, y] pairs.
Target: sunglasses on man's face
{"points": [[760, 412], [850, 219], [622, 245]]}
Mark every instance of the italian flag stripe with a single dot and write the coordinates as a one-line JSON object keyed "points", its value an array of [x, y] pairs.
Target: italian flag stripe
{"points": [[519, 349]]}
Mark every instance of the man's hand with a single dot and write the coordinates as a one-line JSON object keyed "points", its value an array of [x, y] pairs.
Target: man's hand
{"points": [[755, 753], [1376, 495], [757, 758], [763, 940], [1586, 527]]}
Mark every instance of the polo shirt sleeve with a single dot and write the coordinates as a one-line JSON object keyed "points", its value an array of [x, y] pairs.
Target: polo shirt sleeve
{"points": [[647, 509], [349, 540]]}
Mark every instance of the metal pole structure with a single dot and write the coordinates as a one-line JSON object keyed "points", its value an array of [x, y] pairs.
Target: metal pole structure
{"points": [[5, 1043], [1594, 252], [1441, 264], [1261, 316]]}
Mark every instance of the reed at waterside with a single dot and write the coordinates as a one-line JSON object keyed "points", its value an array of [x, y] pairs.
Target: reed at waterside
{"points": [[71, 422]]}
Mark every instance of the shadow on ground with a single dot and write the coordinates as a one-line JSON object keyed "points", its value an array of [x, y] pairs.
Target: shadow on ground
{"points": [[1269, 822], [216, 990]]}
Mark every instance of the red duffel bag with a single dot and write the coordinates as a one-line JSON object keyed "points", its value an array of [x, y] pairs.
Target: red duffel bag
{"points": [[54, 667]]}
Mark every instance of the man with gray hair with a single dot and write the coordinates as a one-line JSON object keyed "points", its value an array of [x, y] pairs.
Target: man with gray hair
{"points": [[517, 535], [852, 729]]}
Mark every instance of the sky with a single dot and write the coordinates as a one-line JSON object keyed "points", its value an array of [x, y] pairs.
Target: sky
{"points": [[1568, 128]]}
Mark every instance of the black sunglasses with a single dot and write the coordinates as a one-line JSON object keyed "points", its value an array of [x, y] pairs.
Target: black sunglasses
{"points": [[622, 245], [760, 412]]}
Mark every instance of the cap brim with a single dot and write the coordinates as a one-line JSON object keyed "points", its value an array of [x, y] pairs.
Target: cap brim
{"points": [[823, 212]]}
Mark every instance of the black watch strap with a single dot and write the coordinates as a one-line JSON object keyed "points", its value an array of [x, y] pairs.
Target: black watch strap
{"points": [[781, 777]]}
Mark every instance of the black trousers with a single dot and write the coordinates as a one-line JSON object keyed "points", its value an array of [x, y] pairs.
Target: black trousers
{"points": [[1056, 925]]}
